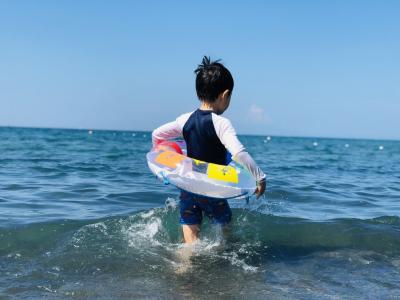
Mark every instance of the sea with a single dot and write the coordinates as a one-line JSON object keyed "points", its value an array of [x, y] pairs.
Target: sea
{"points": [[82, 217]]}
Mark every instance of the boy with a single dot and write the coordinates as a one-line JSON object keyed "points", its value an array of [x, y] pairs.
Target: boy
{"points": [[208, 137]]}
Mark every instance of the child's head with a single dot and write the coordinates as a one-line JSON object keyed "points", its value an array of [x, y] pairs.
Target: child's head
{"points": [[214, 84]]}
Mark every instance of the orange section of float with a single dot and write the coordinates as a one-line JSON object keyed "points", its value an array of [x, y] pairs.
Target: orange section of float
{"points": [[169, 159]]}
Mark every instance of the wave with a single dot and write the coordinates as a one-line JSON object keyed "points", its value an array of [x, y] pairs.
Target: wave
{"points": [[143, 256], [287, 235]]}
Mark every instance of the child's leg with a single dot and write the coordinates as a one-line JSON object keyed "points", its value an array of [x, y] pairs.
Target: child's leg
{"points": [[221, 214], [191, 217], [190, 233], [226, 230]]}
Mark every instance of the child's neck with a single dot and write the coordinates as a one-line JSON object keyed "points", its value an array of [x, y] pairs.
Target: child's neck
{"points": [[206, 106]]}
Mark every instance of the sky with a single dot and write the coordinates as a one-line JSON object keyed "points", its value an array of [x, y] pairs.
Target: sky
{"points": [[301, 68]]}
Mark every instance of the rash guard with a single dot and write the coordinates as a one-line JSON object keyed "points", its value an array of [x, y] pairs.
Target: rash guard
{"points": [[208, 137]]}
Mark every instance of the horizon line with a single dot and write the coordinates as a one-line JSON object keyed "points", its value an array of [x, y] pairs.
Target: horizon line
{"points": [[249, 134]]}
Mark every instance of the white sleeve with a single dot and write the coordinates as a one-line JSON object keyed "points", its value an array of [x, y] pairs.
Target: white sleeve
{"points": [[165, 132], [170, 130], [244, 159], [227, 134], [228, 138]]}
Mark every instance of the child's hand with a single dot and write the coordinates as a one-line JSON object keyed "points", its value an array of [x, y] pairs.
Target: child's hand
{"points": [[261, 185]]}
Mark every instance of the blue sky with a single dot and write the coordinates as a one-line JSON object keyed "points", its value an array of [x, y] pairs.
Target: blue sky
{"points": [[303, 68]]}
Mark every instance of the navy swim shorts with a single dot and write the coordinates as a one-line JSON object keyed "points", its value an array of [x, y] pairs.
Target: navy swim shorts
{"points": [[193, 206]]}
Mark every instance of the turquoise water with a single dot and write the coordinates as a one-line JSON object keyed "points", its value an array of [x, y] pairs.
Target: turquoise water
{"points": [[82, 217]]}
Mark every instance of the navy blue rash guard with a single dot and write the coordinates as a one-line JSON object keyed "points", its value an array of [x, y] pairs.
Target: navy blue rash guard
{"points": [[201, 138]]}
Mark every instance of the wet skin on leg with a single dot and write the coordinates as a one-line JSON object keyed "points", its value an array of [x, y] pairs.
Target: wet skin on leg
{"points": [[190, 233]]}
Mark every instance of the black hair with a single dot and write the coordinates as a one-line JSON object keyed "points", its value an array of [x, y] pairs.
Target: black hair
{"points": [[212, 79]]}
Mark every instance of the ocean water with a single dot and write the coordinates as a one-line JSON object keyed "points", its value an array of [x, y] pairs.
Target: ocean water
{"points": [[82, 217]]}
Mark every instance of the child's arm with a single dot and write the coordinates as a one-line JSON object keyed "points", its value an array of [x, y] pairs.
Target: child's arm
{"points": [[228, 137], [165, 132], [247, 161], [169, 130]]}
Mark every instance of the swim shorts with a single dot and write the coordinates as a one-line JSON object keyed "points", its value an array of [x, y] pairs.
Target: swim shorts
{"points": [[193, 206]]}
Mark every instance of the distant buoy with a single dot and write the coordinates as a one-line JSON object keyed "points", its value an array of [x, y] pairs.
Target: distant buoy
{"points": [[90, 132], [346, 145], [315, 144], [268, 138], [381, 147], [133, 134]]}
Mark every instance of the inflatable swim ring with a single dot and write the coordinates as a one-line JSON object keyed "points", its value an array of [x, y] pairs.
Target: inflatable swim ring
{"points": [[168, 161]]}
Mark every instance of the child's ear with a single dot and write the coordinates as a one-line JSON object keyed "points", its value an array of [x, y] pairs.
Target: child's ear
{"points": [[226, 94]]}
